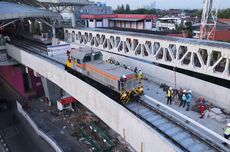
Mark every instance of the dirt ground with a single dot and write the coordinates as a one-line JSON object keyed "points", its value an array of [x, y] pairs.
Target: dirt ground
{"points": [[79, 125]]}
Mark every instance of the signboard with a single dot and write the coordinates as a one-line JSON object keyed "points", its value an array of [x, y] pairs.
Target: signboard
{"points": [[57, 49]]}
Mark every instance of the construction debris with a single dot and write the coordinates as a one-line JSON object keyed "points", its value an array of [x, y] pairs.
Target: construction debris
{"points": [[217, 114]]}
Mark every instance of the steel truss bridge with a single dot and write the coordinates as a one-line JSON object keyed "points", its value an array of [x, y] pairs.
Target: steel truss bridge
{"points": [[205, 57]]}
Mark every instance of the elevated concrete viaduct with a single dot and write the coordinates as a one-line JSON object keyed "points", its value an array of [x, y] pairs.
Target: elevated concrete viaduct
{"points": [[141, 137]]}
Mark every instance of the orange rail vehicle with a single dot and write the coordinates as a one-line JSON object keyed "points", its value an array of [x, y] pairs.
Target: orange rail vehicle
{"points": [[89, 63]]}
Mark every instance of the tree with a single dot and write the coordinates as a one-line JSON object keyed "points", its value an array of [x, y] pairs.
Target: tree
{"points": [[197, 13], [189, 28], [127, 8], [122, 8], [224, 13]]}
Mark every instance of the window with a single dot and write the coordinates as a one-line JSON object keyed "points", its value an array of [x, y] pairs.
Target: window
{"points": [[99, 20], [87, 59], [97, 57], [148, 20], [91, 20]]}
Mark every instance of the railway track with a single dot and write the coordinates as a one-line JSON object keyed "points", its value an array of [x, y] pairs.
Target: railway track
{"points": [[34, 48], [179, 133]]}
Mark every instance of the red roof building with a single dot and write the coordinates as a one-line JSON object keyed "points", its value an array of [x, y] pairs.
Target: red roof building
{"points": [[222, 32], [130, 21]]}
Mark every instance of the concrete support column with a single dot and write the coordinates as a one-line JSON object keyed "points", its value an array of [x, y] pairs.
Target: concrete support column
{"points": [[40, 26], [52, 91], [73, 20], [226, 70], [22, 24]]}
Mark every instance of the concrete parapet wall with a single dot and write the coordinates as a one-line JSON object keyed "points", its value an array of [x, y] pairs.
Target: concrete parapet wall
{"points": [[215, 94], [140, 136]]}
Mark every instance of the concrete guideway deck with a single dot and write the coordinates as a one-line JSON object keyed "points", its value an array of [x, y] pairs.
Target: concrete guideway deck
{"points": [[104, 107], [189, 142]]}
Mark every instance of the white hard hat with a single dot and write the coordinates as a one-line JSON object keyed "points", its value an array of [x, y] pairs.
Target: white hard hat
{"points": [[228, 124], [190, 91], [123, 76], [184, 91], [170, 88]]}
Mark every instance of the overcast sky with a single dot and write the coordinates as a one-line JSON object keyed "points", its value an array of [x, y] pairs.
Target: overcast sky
{"points": [[165, 4]]}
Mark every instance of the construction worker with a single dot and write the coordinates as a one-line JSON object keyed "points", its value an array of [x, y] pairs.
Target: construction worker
{"points": [[117, 63], [135, 70], [188, 99], [202, 106], [140, 74], [183, 99], [122, 81], [227, 133], [169, 95]]}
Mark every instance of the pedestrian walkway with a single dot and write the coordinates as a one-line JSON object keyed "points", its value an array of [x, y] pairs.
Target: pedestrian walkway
{"points": [[153, 90]]}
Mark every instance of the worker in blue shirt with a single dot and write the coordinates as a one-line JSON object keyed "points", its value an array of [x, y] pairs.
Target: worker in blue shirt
{"points": [[183, 99], [188, 99]]}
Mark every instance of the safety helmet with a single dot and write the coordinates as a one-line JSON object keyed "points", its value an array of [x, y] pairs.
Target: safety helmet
{"points": [[124, 76], [228, 124], [184, 91], [189, 91], [170, 88]]}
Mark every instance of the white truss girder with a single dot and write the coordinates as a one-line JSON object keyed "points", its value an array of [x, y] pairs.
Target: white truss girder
{"points": [[198, 57]]}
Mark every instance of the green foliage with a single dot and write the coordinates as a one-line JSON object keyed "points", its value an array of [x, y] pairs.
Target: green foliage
{"points": [[187, 28], [126, 10], [197, 13], [224, 13]]}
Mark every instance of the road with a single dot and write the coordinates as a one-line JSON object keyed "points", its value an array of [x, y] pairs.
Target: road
{"points": [[17, 133]]}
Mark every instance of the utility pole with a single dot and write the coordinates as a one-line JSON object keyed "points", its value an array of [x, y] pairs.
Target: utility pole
{"points": [[209, 19]]}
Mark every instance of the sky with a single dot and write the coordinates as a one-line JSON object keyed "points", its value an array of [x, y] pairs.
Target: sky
{"points": [[164, 4]]}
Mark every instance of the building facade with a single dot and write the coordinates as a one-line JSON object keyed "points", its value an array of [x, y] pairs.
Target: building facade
{"points": [[128, 21], [169, 23], [98, 8], [222, 31]]}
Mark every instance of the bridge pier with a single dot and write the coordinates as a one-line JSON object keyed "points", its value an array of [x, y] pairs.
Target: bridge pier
{"points": [[52, 91]]}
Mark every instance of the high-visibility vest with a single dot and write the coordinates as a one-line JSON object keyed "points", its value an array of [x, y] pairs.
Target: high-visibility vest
{"points": [[227, 131], [170, 93]]}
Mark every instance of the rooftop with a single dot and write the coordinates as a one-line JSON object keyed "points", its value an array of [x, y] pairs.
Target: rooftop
{"points": [[22, 11], [122, 16], [67, 2]]}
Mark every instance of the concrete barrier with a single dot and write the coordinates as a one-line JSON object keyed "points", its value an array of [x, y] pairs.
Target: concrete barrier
{"points": [[42, 134], [137, 133]]}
